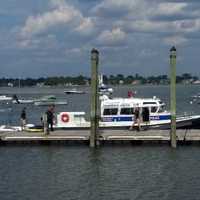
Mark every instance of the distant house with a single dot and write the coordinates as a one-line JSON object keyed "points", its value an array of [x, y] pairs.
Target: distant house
{"points": [[10, 85], [121, 82], [136, 82], [40, 84]]}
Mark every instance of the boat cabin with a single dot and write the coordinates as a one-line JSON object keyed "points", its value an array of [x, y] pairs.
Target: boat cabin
{"points": [[123, 109]]}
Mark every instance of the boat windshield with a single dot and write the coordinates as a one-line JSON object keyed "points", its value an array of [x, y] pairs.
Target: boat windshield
{"points": [[161, 109]]}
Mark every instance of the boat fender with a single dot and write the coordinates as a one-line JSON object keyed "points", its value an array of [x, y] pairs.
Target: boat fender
{"points": [[65, 118]]}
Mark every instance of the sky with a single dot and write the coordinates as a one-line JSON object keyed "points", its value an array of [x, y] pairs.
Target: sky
{"points": [[55, 37]]}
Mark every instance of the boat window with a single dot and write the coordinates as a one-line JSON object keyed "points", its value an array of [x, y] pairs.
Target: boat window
{"points": [[161, 109], [146, 103], [126, 111], [153, 109], [110, 111]]}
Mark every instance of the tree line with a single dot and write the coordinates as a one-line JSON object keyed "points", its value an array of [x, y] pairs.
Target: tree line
{"points": [[83, 80]]}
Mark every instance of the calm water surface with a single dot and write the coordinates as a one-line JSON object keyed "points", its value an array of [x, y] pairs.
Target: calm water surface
{"points": [[121, 172]]}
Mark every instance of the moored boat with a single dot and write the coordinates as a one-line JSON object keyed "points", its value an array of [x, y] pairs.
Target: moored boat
{"points": [[48, 103], [48, 100], [118, 113], [5, 98], [23, 101], [74, 91]]}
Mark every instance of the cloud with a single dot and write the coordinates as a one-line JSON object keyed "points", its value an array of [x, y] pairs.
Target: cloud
{"points": [[61, 15], [169, 8], [67, 30], [114, 37], [175, 40], [167, 27]]}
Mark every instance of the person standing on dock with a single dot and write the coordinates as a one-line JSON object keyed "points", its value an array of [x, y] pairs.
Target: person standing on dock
{"points": [[136, 119], [50, 117], [145, 115], [23, 118]]}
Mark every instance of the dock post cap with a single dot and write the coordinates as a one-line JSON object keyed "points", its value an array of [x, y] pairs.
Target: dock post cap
{"points": [[95, 51], [95, 54], [173, 49]]}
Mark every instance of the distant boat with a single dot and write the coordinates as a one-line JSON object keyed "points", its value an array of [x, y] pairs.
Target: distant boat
{"points": [[74, 91], [48, 100], [104, 89], [196, 96], [48, 103], [5, 98], [21, 101]]}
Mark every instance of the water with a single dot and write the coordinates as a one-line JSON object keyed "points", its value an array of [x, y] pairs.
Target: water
{"points": [[118, 172], [111, 172]]}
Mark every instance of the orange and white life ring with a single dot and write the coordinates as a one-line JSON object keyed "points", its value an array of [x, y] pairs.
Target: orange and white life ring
{"points": [[65, 118]]}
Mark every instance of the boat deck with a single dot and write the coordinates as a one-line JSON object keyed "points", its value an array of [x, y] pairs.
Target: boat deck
{"points": [[104, 135]]}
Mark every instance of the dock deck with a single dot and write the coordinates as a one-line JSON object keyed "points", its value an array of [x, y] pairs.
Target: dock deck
{"points": [[104, 135]]}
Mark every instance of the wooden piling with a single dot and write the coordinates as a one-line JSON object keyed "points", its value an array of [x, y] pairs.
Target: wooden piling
{"points": [[173, 96], [94, 114]]}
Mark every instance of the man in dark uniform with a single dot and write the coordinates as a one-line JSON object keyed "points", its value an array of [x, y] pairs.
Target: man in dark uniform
{"points": [[23, 118], [50, 117], [136, 119], [145, 114]]}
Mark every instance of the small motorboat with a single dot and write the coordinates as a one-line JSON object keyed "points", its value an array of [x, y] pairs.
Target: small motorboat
{"points": [[74, 91], [49, 103], [7, 128], [5, 98], [23, 101], [196, 96], [48, 100], [103, 88]]}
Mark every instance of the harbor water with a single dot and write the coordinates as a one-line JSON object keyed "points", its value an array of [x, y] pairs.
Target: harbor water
{"points": [[115, 171]]}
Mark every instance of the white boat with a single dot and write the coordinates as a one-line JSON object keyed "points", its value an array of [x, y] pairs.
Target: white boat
{"points": [[48, 103], [74, 91], [10, 129], [23, 101], [104, 89], [6, 128], [48, 100], [196, 96], [118, 113], [5, 98]]}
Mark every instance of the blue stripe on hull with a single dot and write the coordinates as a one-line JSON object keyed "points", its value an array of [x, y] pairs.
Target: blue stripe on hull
{"points": [[117, 119], [127, 119], [161, 117]]}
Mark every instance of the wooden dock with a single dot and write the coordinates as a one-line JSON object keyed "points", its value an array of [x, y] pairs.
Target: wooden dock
{"points": [[104, 136]]}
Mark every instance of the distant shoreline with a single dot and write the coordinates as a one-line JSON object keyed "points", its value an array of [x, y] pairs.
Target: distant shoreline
{"points": [[80, 80]]}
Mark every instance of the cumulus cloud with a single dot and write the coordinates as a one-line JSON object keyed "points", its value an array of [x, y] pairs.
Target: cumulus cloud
{"points": [[62, 14], [115, 26], [114, 37], [170, 8]]}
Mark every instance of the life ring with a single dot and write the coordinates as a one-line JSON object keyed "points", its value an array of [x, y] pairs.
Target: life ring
{"points": [[65, 118]]}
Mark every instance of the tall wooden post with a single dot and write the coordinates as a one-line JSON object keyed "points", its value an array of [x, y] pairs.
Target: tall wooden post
{"points": [[173, 96], [94, 118]]}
